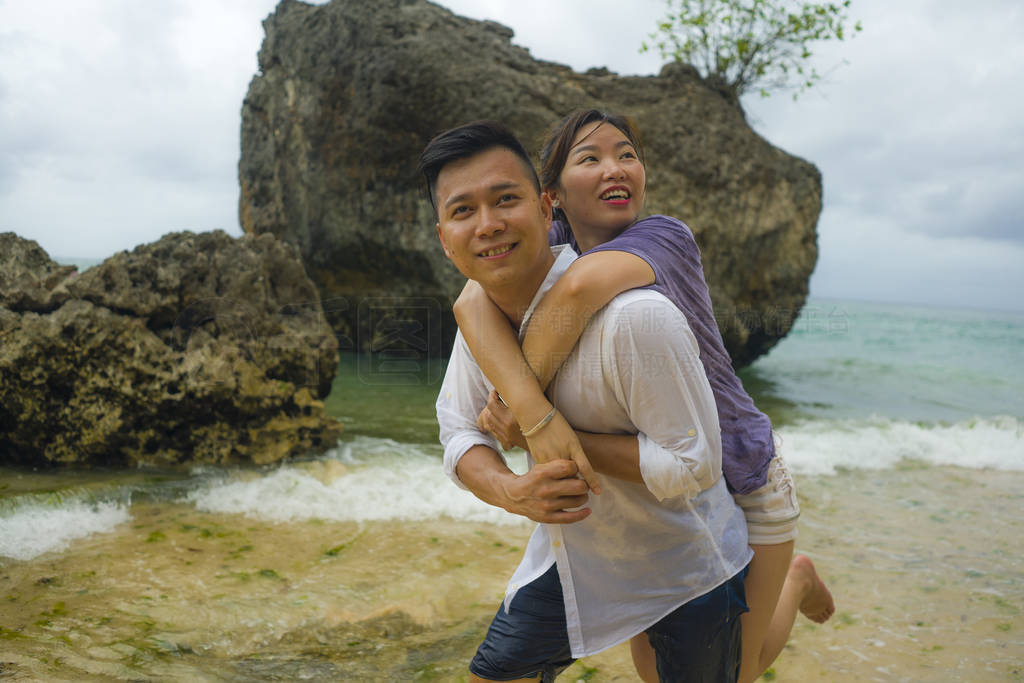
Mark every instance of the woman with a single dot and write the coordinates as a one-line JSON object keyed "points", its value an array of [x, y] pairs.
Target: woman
{"points": [[592, 169]]}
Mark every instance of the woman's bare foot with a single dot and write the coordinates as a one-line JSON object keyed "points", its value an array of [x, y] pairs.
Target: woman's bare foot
{"points": [[816, 601]]}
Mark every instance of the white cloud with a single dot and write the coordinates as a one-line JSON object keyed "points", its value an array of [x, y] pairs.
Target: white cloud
{"points": [[119, 121], [123, 119]]}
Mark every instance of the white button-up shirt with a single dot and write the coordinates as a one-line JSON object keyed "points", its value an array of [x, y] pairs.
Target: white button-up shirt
{"points": [[646, 548]]}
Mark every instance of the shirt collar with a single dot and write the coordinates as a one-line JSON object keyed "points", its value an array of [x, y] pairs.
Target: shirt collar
{"points": [[564, 256]]}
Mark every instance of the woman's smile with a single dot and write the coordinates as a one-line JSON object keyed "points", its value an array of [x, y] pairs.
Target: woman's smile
{"points": [[601, 186], [618, 195]]}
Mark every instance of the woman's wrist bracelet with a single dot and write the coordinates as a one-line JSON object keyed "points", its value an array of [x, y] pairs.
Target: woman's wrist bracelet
{"points": [[540, 425]]}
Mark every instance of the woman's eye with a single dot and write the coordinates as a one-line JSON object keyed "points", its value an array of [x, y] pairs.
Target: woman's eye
{"points": [[459, 210]]}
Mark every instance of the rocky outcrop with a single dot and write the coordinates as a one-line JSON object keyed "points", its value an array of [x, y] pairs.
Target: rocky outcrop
{"points": [[196, 348], [349, 92]]}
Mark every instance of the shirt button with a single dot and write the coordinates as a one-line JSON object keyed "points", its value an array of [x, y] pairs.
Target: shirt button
{"points": [[692, 432]]}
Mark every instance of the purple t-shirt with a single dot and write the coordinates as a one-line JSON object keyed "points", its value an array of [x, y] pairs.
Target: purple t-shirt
{"points": [[668, 246]]}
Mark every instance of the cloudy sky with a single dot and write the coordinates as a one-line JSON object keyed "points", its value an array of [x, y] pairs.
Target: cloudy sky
{"points": [[119, 122]]}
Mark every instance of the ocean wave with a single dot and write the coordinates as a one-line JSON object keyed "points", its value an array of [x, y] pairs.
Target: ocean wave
{"points": [[381, 479], [821, 447], [366, 479], [31, 529]]}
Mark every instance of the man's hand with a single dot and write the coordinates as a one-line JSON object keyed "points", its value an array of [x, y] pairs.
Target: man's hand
{"points": [[555, 441], [547, 493], [497, 419]]}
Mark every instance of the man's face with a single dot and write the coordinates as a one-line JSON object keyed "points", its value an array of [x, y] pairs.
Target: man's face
{"points": [[492, 222]]}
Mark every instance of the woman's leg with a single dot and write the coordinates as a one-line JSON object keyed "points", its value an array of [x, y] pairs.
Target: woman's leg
{"points": [[777, 586], [804, 591], [764, 584], [643, 658]]}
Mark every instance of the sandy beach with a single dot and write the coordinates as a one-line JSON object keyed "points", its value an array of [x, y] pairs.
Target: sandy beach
{"points": [[924, 563]]}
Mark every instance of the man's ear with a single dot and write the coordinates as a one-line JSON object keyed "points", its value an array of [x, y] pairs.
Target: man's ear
{"points": [[444, 246], [546, 207]]}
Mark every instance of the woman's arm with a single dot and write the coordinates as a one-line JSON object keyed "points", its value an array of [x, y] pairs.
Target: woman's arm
{"points": [[494, 346], [493, 343], [617, 455], [557, 323], [560, 318]]}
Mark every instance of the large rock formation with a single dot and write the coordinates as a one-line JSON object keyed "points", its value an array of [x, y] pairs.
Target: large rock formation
{"points": [[349, 92], [196, 348]]}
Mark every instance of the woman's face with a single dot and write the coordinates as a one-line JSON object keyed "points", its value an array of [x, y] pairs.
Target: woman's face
{"points": [[601, 188]]}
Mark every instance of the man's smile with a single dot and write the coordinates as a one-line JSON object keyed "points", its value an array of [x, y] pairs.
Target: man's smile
{"points": [[498, 251]]}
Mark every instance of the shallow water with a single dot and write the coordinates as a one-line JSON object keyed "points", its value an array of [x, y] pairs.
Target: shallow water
{"points": [[924, 563], [179, 594], [366, 563]]}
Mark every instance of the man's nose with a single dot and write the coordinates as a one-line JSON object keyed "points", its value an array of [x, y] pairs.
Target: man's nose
{"points": [[490, 222]]}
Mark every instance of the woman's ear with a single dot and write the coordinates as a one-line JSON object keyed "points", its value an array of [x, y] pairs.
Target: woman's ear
{"points": [[552, 194]]}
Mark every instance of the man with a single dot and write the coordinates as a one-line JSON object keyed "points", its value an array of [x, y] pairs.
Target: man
{"points": [[663, 548]]}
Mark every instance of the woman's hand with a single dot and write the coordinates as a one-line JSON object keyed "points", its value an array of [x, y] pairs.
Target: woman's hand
{"points": [[555, 440]]}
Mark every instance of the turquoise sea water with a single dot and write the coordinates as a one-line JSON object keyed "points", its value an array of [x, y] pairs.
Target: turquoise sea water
{"points": [[854, 386], [847, 359]]}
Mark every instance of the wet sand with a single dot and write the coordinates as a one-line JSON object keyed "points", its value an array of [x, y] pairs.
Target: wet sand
{"points": [[925, 564]]}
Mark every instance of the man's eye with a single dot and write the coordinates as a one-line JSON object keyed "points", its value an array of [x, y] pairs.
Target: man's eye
{"points": [[506, 198]]}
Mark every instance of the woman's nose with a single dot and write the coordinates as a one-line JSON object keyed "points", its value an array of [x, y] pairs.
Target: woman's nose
{"points": [[613, 169]]}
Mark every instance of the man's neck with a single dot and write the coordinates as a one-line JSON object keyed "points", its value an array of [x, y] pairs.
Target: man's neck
{"points": [[515, 298]]}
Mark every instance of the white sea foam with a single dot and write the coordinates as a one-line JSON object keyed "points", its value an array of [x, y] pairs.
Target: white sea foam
{"points": [[33, 529], [368, 479], [822, 446], [380, 479]]}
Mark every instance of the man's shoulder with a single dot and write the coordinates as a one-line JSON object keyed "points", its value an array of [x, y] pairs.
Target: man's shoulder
{"points": [[645, 325], [640, 306], [639, 299], [461, 356]]}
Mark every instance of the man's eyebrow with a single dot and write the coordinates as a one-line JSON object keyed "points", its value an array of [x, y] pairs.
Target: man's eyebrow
{"points": [[497, 187], [456, 199]]}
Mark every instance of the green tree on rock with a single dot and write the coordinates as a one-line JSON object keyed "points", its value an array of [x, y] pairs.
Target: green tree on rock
{"points": [[740, 45]]}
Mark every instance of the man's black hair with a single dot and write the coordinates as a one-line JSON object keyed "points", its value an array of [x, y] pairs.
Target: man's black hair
{"points": [[465, 141]]}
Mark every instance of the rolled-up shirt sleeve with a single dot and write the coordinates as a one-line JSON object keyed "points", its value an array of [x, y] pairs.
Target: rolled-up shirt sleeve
{"points": [[654, 359], [463, 395]]}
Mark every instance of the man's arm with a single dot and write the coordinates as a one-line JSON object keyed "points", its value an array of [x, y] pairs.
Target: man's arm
{"points": [[472, 461], [544, 494], [616, 455], [491, 338], [652, 360]]}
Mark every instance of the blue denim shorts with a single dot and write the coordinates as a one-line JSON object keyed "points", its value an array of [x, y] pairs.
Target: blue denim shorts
{"points": [[699, 641]]}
